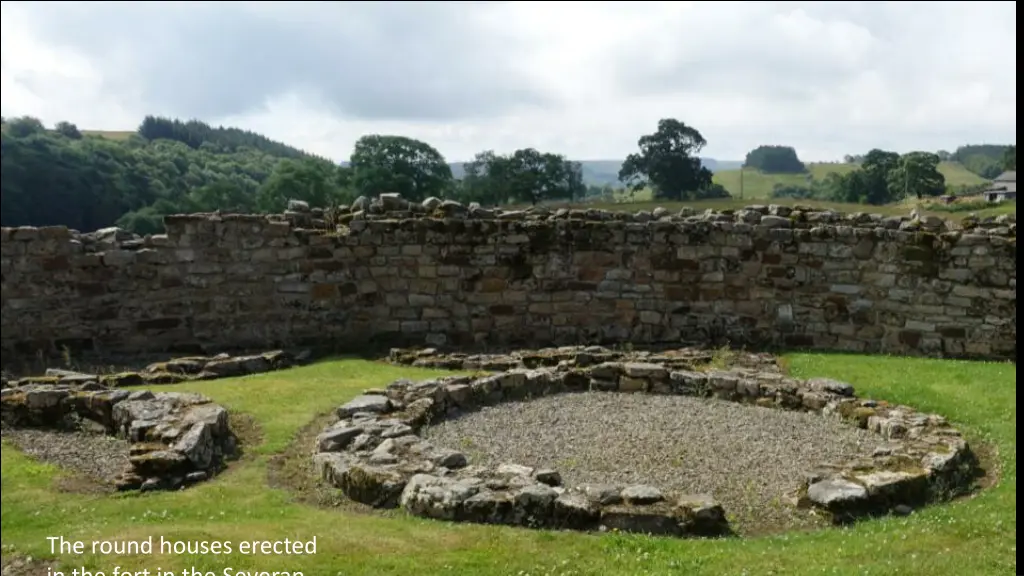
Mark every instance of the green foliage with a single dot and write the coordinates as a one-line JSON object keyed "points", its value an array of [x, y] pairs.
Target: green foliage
{"points": [[775, 160], [319, 183], [985, 160], [196, 134], [87, 183], [23, 127], [917, 174], [1010, 158], [668, 162], [881, 178], [412, 168], [67, 129], [526, 175]]}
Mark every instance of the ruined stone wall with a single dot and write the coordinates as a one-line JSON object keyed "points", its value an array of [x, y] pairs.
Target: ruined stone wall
{"points": [[760, 276]]}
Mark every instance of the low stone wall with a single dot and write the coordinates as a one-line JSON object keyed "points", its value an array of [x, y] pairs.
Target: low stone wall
{"points": [[176, 439], [173, 371], [389, 272], [374, 454]]}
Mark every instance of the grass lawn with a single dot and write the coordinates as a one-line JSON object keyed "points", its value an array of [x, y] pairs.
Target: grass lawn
{"points": [[971, 536]]}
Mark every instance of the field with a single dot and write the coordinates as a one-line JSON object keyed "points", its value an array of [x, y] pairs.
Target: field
{"points": [[975, 536], [758, 185], [736, 203], [110, 134]]}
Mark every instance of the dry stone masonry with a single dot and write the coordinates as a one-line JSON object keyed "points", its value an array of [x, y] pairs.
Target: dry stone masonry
{"points": [[375, 454], [173, 371], [176, 439], [439, 273]]}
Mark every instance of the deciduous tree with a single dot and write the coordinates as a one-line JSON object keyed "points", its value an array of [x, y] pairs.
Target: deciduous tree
{"points": [[917, 174], [399, 164], [668, 162]]}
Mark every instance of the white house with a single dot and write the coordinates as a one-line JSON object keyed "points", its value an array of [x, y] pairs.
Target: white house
{"points": [[1003, 188]]}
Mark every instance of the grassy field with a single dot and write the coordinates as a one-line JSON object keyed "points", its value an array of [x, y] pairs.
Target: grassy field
{"points": [[975, 536], [757, 184], [110, 134]]}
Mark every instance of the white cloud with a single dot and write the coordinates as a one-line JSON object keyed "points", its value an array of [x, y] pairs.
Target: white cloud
{"points": [[829, 78]]}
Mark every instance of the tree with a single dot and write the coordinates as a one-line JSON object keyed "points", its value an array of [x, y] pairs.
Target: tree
{"points": [[985, 160], [526, 175], [916, 173], [313, 181], [89, 183], [224, 195], [67, 129], [876, 167], [197, 135], [410, 167], [1010, 158], [484, 180], [533, 176], [24, 126], [668, 162], [775, 160]]}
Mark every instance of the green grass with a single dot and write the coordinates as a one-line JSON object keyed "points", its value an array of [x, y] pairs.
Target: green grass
{"points": [[968, 537], [110, 134], [756, 184]]}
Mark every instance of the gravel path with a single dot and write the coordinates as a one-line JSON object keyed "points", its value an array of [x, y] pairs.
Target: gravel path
{"points": [[747, 457], [96, 456]]}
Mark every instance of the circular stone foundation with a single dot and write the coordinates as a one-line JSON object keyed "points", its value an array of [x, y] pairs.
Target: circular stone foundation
{"points": [[596, 439], [750, 459]]}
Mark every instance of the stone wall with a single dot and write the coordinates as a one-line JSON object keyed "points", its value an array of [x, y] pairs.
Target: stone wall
{"points": [[392, 273]]}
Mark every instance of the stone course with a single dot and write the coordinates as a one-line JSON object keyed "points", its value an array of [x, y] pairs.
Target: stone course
{"points": [[389, 272], [375, 454]]}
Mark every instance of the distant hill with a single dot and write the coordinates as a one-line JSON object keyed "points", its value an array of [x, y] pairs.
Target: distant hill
{"points": [[606, 172]]}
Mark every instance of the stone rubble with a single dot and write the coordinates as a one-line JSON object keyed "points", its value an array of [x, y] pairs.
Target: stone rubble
{"points": [[172, 371], [175, 439], [374, 452]]}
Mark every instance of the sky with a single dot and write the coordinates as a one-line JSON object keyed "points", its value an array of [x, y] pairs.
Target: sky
{"points": [[584, 79]]}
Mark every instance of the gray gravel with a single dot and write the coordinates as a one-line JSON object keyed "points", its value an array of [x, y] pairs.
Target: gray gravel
{"points": [[747, 457], [96, 456]]}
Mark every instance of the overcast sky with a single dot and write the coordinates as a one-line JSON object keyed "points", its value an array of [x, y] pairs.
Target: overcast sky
{"points": [[585, 79]]}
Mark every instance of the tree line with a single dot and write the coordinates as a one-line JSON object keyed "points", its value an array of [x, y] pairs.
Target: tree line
{"points": [[169, 166], [881, 177], [87, 182], [985, 160]]}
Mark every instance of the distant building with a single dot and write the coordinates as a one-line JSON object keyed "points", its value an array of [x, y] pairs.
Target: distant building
{"points": [[1003, 188]]}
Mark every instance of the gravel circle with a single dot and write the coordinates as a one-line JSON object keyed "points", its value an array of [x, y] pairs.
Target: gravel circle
{"points": [[98, 457], [747, 457]]}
